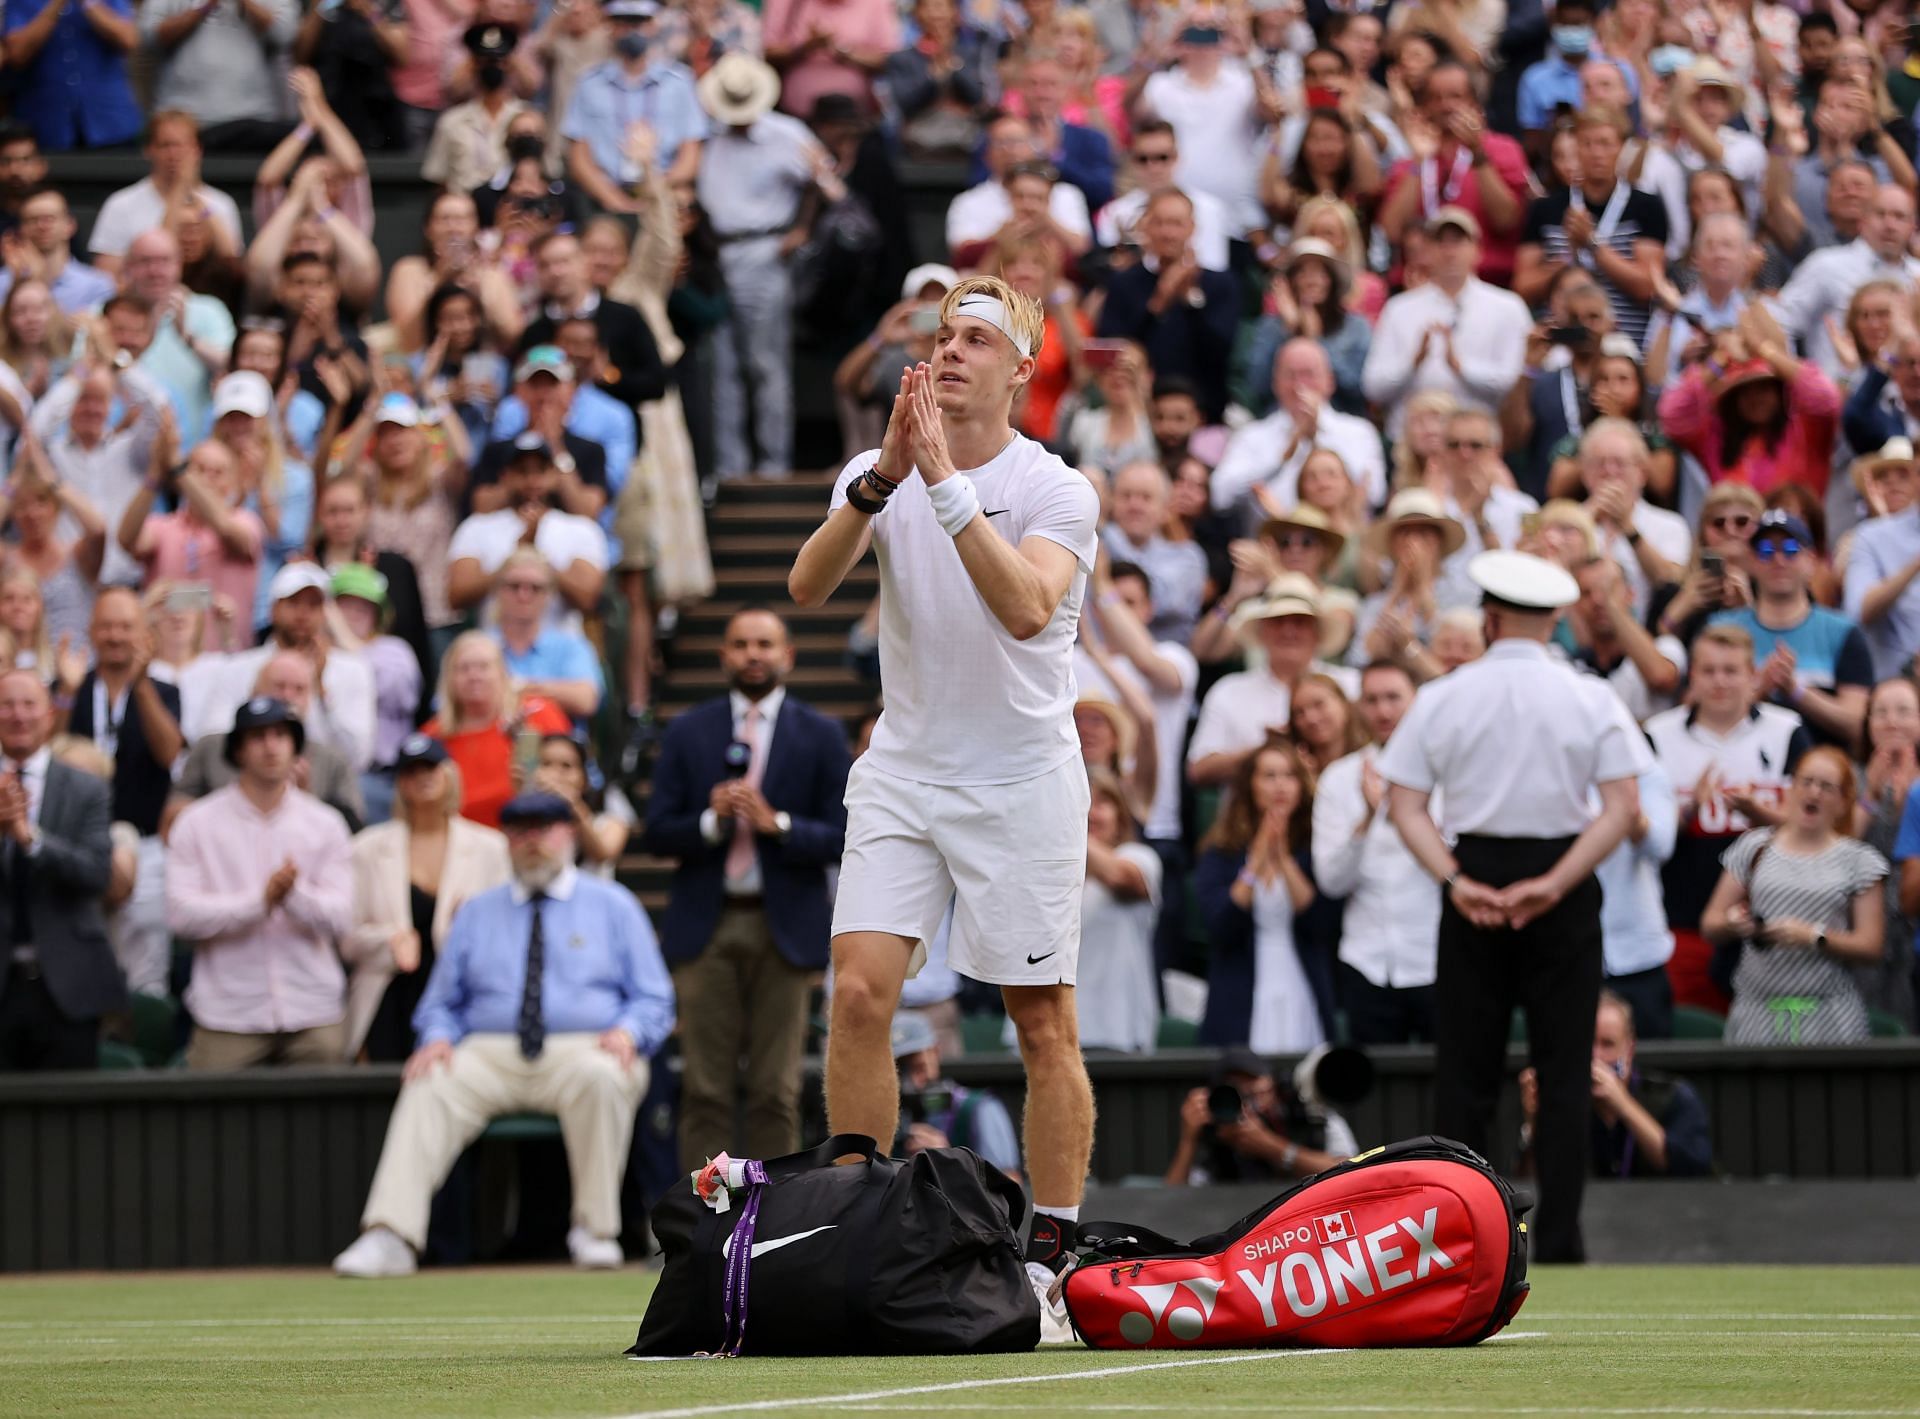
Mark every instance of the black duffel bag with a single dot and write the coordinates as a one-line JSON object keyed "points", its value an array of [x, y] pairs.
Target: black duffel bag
{"points": [[921, 1256]]}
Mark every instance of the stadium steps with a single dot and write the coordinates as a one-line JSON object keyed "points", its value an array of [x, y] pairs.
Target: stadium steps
{"points": [[754, 531]]}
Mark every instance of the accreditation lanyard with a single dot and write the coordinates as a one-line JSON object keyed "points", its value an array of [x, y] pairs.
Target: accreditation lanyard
{"points": [[1609, 220], [1431, 193]]}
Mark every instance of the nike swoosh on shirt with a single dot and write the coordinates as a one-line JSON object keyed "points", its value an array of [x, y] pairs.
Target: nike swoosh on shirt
{"points": [[1036, 960], [1000, 512], [760, 1249]]}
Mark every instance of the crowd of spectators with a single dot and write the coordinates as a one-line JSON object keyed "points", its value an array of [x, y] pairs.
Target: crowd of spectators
{"points": [[316, 565]]}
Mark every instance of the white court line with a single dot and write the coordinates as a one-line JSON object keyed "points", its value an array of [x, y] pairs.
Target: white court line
{"points": [[812, 1401], [846, 1400]]}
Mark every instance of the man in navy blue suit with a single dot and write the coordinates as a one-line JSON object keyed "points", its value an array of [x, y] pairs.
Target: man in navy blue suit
{"points": [[748, 794], [1183, 314]]}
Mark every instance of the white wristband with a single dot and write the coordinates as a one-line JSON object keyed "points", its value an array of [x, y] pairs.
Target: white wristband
{"points": [[954, 503]]}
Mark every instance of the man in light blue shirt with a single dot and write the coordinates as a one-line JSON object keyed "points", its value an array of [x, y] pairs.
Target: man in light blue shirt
{"points": [[47, 228], [553, 661], [548, 997], [1883, 574], [592, 413], [626, 90], [192, 334]]}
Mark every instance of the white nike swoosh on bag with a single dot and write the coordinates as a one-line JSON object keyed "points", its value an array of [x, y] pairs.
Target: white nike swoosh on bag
{"points": [[760, 1249]]}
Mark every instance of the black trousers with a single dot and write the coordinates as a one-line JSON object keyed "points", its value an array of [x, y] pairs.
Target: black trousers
{"points": [[1650, 995], [1383, 1014], [36, 1034], [1551, 969]]}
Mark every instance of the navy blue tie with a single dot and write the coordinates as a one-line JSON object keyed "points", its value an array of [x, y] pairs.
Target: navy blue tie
{"points": [[533, 1026]]}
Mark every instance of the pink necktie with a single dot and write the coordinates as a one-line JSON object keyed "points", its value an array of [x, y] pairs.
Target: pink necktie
{"points": [[740, 855]]}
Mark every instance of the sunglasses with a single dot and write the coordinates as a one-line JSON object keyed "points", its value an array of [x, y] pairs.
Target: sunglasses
{"points": [[1733, 522], [1767, 548], [1153, 157]]}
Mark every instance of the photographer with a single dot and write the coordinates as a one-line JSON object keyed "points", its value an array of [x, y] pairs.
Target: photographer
{"points": [[1645, 1124], [937, 1113], [1248, 1128]]}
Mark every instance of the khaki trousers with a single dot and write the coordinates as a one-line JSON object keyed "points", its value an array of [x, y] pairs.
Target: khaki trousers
{"points": [[223, 1049], [435, 1118], [740, 999]]}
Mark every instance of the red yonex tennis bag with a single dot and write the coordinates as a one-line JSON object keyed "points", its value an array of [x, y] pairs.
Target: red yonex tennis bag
{"points": [[1414, 1244]]}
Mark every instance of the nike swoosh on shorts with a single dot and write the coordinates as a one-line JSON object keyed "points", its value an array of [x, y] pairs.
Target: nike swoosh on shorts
{"points": [[760, 1249], [1036, 960]]}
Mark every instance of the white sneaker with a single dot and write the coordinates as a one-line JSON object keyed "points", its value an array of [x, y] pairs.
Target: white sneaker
{"points": [[594, 1253], [375, 1254], [1055, 1328]]}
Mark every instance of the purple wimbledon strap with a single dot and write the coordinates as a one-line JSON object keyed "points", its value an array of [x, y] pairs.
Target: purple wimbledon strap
{"points": [[740, 1258]]}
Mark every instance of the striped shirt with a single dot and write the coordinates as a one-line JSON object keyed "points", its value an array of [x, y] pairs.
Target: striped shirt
{"points": [[1786, 995], [1637, 216]]}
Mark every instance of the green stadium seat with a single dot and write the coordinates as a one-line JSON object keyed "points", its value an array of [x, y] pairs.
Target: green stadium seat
{"points": [[520, 1128], [981, 1033], [1886, 1025], [115, 1055], [1691, 1022], [1177, 1034]]}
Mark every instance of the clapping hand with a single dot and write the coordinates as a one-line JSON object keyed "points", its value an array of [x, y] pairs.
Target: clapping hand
{"points": [[928, 432], [281, 883], [15, 809]]}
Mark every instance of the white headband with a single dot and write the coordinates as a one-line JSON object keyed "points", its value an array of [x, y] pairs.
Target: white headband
{"points": [[993, 310]]}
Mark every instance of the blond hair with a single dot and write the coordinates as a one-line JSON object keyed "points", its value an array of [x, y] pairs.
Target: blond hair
{"points": [[450, 721], [1407, 468], [1723, 633], [37, 644], [1565, 512], [1024, 314]]}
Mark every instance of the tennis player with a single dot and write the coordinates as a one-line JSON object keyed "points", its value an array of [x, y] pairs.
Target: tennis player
{"points": [[973, 789]]}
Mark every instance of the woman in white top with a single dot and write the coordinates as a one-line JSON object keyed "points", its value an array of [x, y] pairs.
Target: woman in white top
{"points": [[1118, 1002], [1253, 882]]}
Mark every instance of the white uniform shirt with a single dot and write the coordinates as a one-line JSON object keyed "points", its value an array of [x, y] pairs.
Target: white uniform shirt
{"points": [[966, 702], [1171, 711], [1490, 328], [1633, 914], [1391, 927], [1517, 738], [1252, 458]]}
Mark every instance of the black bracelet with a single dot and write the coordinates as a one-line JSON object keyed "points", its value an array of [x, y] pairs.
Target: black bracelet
{"points": [[858, 498]]}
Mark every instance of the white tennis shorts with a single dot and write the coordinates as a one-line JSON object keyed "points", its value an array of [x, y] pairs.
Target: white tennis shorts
{"points": [[1013, 854]]}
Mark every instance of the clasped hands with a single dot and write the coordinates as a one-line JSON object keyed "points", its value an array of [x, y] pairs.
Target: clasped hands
{"points": [[916, 439], [736, 798], [1512, 906]]}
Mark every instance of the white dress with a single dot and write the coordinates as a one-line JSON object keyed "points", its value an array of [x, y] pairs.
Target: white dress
{"points": [[1285, 1018]]}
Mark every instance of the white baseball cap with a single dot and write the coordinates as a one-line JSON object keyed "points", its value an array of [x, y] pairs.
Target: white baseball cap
{"points": [[296, 577], [243, 392]]}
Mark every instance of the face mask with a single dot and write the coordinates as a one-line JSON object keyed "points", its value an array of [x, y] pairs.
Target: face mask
{"points": [[491, 76], [1573, 39], [631, 45], [1669, 59]]}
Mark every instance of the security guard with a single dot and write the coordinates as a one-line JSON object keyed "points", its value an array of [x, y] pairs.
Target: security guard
{"points": [[1517, 744]]}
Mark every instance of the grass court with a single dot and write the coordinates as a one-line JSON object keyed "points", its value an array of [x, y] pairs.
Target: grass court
{"points": [[1820, 1343]]}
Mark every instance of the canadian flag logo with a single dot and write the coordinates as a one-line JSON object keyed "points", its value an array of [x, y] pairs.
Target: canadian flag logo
{"points": [[1186, 1322], [1334, 1227]]}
